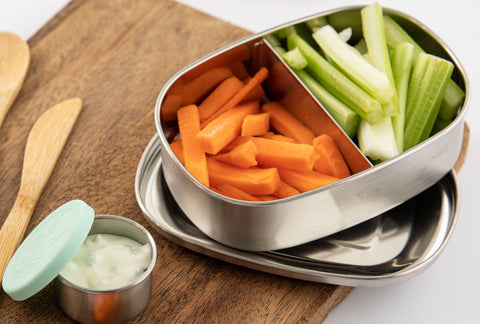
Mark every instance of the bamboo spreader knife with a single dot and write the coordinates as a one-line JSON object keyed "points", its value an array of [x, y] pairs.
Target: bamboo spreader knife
{"points": [[44, 145]]}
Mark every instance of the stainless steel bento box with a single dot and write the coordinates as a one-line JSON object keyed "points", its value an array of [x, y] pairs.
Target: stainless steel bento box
{"points": [[370, 191]]}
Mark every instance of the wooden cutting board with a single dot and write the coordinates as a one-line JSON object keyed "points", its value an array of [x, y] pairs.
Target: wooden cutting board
{"points": [[116, 55]]}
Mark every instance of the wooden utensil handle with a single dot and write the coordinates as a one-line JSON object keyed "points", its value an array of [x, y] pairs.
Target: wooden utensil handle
{"points": [[14, 228]]}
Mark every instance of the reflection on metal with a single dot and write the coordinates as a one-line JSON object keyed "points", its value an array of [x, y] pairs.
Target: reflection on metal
{"points": [[387, 249]]}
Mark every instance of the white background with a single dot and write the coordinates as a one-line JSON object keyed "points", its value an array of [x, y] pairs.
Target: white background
{"points": [[448, 291]]}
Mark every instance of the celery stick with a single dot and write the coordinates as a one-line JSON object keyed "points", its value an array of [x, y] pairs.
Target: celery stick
{"points": [[361, 46], [273, 40], [368, 77], [295, 59], [337, 83], [377, 141], [424, 109], [454, 95], [396, 35], [345, 34], [416, 80], [452, 100], [346, 118], [315, 23], [374, 34], [402, 62], [440, 124], [285, 32]]}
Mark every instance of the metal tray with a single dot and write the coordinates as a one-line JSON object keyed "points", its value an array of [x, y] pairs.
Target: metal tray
{"points": [[390, 248]]}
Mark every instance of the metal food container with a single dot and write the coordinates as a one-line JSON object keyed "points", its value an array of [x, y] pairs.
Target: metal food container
{"points": [[111, 306], [370, 191]]}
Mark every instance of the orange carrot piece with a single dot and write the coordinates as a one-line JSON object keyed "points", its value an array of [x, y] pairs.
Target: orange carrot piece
{"points": [[271, 153], [177, 149], [285, 190], [256, 80], [233, 192], [278, 137], [329, 159], [239, 140], [256, 125], [219, 96], [183, 94], [194, 158], [255, 181], [242, 156], [225, 128], [256, 94], [287, 124], [199, 87], [305, 180]]}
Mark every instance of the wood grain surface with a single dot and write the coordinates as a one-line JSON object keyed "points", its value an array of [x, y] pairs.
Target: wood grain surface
{"points": [[116, 56]]}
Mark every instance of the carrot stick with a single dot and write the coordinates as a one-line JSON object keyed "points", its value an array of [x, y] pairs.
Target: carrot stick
{"points": [[218, 97], [271, 153], [285, 190], [193, 156], [278, 137], [232, 192], [256, 125], [256, 94], [287, 124], [305, 180], [329, 159], [242, 156], [256, 80], [239, 140], [225, 128], [254, 181], [193, 91], [177, 149]]}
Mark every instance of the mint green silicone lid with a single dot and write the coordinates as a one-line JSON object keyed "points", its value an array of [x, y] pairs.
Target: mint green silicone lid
{"points": [[48, 248]]}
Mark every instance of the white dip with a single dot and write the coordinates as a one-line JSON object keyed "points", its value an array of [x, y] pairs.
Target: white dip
{"points": [[106, 261]]}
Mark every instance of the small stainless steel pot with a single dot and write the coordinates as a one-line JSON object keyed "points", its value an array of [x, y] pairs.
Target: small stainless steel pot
{"points": [[111, 306]]}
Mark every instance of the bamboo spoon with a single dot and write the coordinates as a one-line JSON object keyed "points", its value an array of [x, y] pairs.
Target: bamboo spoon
{"points": [[14, 62], [44, 145]]}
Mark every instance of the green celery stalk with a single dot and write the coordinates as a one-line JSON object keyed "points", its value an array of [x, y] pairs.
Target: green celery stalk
{"points": [[440, 124], [452, 100], [396, 35], [361, 46], [374, 35], [285, 32], [346, 118], [273, 40], [416, 81], [300, 29], [377, 141], [454, 95], [295, 59], [367, 76], [402, 62], [315, 23], [424, 109], [336, 82]]}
